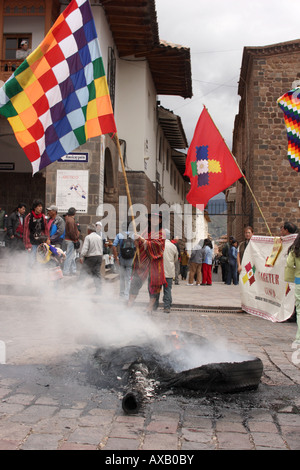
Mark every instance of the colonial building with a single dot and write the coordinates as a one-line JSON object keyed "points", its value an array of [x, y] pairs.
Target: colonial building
{"points": [[139, 67], [260, 142]]}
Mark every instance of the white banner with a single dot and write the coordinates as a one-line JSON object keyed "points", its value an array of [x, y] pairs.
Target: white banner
{"points": [[264, 292], [72, 190]]}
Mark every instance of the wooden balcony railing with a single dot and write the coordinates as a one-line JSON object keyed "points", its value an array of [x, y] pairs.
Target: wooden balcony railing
{"points": [[7, 67]]}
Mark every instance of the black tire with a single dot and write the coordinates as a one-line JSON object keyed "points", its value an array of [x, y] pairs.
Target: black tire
{"points": [[221, 377]]}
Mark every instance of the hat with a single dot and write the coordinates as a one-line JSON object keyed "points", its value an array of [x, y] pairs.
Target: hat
{"points": [[99, 223], [52, 208], [24, 42]]}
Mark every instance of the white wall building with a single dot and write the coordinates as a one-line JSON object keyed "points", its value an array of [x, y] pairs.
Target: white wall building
{"points": [[139, 68]]}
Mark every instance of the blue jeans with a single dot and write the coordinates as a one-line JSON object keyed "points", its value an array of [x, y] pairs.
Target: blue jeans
{"points": [[125, 279], [69, 264], [167, 297], [232, 273]]}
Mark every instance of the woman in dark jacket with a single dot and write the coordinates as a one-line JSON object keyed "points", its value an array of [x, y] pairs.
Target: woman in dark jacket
{"points": [[15, 228]]}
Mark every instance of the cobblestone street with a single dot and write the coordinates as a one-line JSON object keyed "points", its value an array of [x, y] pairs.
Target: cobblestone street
{"points": [[48, 402]]}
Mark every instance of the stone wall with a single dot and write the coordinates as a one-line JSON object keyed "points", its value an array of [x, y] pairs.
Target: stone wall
{"points": [[96, 183], [260, 143]]}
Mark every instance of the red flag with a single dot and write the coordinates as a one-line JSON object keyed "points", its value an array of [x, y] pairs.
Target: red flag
{"points": [[209, 164]]}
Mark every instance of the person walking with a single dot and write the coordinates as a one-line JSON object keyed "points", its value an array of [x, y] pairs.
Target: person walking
{"points": [[170, 258], [184, 262], [71, 237], [207, 263], [15, 228], [124, 259], [149, 261], [293, 264], [91, 257], [195, 265]]}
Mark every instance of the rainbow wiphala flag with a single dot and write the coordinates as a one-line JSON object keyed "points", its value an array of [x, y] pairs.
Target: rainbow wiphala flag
{"points": [[58, 97], [290, 104]]}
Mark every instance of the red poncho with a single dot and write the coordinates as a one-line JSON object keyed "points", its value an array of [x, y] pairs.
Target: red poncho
{"points": [[149, 260]]}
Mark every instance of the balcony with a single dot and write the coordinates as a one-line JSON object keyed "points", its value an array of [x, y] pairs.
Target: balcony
{"points": [[7, 67]]}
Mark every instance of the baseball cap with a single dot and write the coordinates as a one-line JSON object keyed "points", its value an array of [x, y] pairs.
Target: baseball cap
{"points": [[52, 208]]}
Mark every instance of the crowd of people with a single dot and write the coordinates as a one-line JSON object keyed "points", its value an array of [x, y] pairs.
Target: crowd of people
{"points": [[151, 257]]}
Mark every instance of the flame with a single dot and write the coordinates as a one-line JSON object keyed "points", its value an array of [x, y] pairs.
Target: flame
{"points": [[175, 340]]}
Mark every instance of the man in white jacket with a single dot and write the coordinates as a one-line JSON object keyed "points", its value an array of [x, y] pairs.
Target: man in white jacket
{"points": [[170, 257], [91, 256]]}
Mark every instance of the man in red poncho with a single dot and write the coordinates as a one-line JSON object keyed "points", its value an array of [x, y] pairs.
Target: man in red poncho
{"points": [[148, 261]]}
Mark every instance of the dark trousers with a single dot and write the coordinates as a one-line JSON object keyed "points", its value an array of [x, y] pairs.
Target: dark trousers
{"points": [[183, 271], [232, 274], [91, 267]]}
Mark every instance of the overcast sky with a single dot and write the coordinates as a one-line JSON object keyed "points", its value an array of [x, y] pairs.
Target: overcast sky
{"points": [[216, 31]]}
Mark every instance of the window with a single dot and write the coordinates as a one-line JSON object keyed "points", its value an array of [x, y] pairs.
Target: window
{"points": [[12, 42]]}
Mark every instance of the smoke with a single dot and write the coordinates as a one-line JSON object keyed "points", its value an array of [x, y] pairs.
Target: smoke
{"points": [[42, 318], [196, 355], [46, 320]]}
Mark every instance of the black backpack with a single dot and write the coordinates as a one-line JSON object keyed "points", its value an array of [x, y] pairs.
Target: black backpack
{"points": [[127, 248]]}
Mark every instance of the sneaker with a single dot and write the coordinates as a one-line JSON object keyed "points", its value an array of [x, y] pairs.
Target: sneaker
{"points": [[189, 284]]}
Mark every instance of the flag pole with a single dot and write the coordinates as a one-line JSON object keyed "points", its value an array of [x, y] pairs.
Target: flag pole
{"points": [[126, 182], [246, 181], [128, 193]]}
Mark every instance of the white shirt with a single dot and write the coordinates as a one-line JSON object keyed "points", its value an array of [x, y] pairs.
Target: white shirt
{"points": [[92, 245], [170, 258]]}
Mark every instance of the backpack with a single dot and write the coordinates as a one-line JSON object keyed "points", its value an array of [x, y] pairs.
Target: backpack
{"points": [[127, 248]]}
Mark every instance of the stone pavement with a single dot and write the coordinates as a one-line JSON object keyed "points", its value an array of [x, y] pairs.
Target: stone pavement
{"points": [[47, 401]]}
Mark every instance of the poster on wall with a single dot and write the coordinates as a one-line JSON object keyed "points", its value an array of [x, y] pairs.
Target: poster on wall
{"points": [[72, 190], [264, 292]]}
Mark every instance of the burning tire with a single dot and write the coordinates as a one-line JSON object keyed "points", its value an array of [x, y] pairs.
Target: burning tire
{"points": [[200, 365], [184, 361], [221, 377]]}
